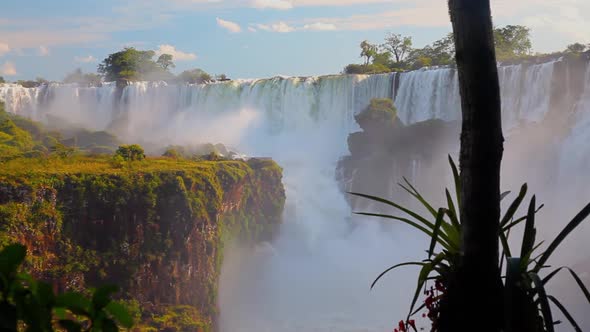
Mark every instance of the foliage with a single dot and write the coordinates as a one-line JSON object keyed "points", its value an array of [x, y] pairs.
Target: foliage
{"points": [[368, 51], [576, 48], [194, 76], [380, 113], [512, 41], [179, 318], [22, 137], [398, 45], [366, 69], [132, 152], [86, 201], [77, 76], [525, 292], [2, 80], [33, 303], [131, 64], [165, 61], [223, 78]]}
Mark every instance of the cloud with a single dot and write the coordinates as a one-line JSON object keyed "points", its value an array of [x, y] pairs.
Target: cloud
{"points": [[176, 54], [85, 59], [4, 48], [8, 69], [43, 51], [251, 29], [229, 25], [275, 27], [319, 26], [272, 4]]}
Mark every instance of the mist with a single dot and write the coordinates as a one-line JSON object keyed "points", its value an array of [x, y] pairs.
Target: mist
{"points": [[315, 275]]}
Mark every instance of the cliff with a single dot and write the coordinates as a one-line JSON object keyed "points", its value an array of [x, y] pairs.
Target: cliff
{"points": [[156, 228]]}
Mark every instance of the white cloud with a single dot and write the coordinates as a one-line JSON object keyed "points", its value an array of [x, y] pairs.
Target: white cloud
{"points": [[4, 48], [8, 69], [85, 59], [272, 4], [43, 51], [229, 25], [319, 26], [177, 55], [275, 27], [251, 29]]}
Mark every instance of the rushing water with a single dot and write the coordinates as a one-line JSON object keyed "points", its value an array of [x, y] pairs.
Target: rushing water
{"points": [[315, 275]]}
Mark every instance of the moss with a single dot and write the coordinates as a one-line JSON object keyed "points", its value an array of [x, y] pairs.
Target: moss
{"points": [[157, 227]]}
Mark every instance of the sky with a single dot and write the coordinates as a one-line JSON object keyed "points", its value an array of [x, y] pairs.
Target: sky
{"points": [[247, 38]]}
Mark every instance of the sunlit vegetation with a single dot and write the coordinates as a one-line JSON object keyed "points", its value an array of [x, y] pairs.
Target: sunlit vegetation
{"points": [[397, 53], [22, 137], [528, 303]]}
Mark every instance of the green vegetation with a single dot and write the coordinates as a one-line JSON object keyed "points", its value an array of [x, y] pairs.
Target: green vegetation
{"points": [[380, 114], [21, 137], [526, 300], [131, 152], [2, 80], [31, 305], [194, 76], [91, 221], [512, 43], [131, 64]]}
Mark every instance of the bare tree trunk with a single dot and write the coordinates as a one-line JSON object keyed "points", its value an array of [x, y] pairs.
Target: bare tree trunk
{"points": [[474, 299]]}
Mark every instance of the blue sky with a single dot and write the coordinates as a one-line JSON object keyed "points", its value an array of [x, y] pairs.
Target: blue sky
{"points": [[247, 38]]}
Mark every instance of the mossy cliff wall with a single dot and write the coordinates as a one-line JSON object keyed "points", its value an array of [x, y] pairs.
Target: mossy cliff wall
{"points": [[156, 228]]}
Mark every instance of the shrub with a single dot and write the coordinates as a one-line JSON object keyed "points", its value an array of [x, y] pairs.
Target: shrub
{"points": [[133, 152]]}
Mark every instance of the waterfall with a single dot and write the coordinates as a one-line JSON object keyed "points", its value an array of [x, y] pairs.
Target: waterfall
{"points": [[315, 275]]}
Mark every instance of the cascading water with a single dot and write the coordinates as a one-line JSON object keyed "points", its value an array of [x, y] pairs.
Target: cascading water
{"points": [[315, 275]]}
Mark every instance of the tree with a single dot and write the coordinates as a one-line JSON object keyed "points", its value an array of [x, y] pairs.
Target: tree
{"points": [[480, 159], [165, 61], [2, 80], [129, 64], [223, 78], [398, 45], [576, 48], [512, 41], [194, 76], [132, 152], [439, 53], [368, 51]]}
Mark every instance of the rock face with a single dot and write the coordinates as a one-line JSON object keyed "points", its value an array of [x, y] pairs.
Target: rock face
{"points": [[386, 151], [156, 229]]}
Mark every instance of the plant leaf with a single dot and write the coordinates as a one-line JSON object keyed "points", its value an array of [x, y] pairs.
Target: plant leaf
{"points": [[120, 313], [102, 296], [11, 257], [580, 284], [452, 212], [397, 206], [543, 302], [565, 313], [575, 222], [442, 238], [528, 238], [457, 180], [514, 206], [433, 240], [394, 267], [419, 197]]}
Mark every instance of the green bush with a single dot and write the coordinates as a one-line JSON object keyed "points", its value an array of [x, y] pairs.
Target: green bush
{"points": [[133, 152]]}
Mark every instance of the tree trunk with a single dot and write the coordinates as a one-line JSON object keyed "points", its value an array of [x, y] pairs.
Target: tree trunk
{"points": [[474, 298]]}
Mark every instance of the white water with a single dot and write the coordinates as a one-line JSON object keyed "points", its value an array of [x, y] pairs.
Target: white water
{"points": [[315, 275]]}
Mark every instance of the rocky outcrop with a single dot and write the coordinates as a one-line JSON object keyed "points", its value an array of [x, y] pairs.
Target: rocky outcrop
{"points": [[157, 229], [387, 151]]}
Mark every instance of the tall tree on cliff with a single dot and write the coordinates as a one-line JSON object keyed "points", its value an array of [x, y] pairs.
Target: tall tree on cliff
{"points": [[474, 298]]}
